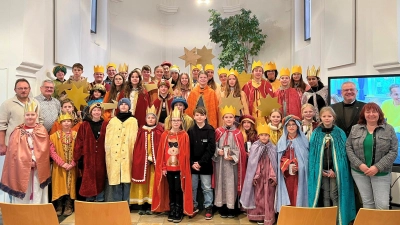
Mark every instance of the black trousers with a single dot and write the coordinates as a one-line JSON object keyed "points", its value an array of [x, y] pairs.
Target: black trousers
{"points": [[175, 189]]}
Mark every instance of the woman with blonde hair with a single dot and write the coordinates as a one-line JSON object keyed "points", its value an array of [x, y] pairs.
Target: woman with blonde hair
{"points": [[183, 87]]}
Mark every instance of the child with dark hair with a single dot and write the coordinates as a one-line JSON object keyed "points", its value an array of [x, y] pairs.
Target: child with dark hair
{"points": [[202, 147]]}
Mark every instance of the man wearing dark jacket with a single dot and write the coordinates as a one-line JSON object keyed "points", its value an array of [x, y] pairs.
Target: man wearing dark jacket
{"points": [[202, 147], [348, 111]]}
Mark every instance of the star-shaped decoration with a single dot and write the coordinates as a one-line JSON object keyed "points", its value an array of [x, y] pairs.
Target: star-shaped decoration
{"points": [[150, 87], [243, 78], [206, 56], [63, 87], [82, 83], [190, 57], [78, 96], [112, 105], [268, 104], [231, 101]]}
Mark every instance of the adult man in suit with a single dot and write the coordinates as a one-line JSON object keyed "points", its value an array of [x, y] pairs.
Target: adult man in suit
{"points": [[348, 111]]}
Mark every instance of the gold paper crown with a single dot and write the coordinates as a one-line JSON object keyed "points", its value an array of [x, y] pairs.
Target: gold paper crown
{"points": [[270, 66], [312, 72], [98, 69], [123, 68], [174, 68], [151, 110], [233, 72], [176, 113], [256, 64], [198, 66], [297, 69], [263, 128], [222, 71], [112, 65], [65, 116], [30, 107], [228, 110], [209, 67], [284, 72]]}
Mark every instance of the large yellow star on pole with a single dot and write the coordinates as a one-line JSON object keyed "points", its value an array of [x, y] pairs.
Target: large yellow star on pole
{"points": [[243, 78], [268, 104], [190, 57], [206, 56], [112, 105], [231, 101], [78, 96]]}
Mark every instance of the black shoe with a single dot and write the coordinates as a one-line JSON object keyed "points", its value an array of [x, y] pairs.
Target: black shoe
{"points": [[178, 214], [231, 213], [171, 213]]}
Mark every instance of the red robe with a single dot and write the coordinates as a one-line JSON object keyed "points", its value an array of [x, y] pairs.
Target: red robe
{"points": [[157, 104], [264, 90], [140, 163], [290, 180], [242, 164], [161, 192], [94, 159], [292, 100], [143, 103]]}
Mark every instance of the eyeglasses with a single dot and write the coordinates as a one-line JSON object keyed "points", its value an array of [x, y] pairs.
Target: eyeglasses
{"points": [[46, 87], [24, 88], [349, 90], [176, 121]]}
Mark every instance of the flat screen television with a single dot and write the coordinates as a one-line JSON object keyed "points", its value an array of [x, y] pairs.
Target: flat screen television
{"points": [[372, 88]]}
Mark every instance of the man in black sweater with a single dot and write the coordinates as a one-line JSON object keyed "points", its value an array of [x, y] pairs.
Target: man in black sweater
{"points": [[202, 147], [348, 111]]}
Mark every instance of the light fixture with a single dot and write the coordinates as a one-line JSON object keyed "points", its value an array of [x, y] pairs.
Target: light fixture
{"points": [[203, 1]]}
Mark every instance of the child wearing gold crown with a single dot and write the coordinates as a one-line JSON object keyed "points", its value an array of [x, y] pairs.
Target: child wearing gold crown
{"points": [[143, 164], [256, 89], [229, 163], [26, 170], [258, 195], [63, 174], [173, 175], [288, 96]]}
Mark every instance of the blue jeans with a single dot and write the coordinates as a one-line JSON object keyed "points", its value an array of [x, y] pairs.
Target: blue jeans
{"points": [[97, 198], [206, 186], [374, 191], [120, 192]]}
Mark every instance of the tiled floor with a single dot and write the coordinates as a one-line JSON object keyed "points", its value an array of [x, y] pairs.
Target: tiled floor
{"points": [[162, 219]]}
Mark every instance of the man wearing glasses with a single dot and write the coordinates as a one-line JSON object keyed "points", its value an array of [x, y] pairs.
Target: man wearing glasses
{"points": [[348, 111], [49, 106], [12, 112]]}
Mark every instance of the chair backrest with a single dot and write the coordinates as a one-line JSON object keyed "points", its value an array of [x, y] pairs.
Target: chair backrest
{"points": [[374, 216], [99, 213], [307, 216], [28, 214]]}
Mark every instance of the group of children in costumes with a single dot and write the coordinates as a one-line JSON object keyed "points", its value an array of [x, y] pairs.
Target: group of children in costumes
{"points": [[158, 164]]}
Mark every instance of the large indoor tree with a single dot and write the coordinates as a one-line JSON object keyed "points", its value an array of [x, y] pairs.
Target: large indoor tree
{"points": [[239, 36]]}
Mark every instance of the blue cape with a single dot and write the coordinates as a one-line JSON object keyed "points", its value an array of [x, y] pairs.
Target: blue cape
{"points": [[300, 145], [344, 181]]}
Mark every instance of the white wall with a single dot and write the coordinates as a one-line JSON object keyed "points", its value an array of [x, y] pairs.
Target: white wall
{"points": [[141, 34], [376, 38]]}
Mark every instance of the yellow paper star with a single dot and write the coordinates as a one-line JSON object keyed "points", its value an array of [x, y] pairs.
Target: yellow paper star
{"points": [[231, 101], [82, 83], [190, 57], [244, 78], [268, 104], [107, 106], [63, 87], [78, 96], [150, 87], [206, 56]]}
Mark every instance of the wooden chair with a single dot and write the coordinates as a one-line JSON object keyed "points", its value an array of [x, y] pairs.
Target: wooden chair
{"points": [[374, 217], [307, 216], [28, 214], [99, 213]]}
